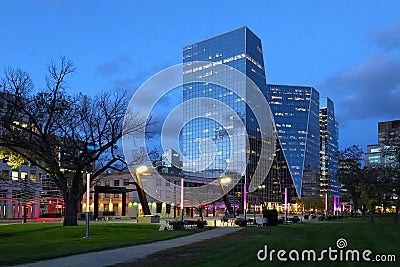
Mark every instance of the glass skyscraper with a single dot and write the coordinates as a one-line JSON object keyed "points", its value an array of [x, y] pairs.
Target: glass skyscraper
{"points": [[294, 111], [202, 136], [296, 114], [329, 183]]}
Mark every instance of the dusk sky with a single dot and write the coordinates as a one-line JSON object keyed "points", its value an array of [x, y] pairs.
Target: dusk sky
{"points": [[347, 50]]}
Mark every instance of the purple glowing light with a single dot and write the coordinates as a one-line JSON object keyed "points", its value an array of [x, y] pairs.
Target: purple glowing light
{"points": [[286, 198]]}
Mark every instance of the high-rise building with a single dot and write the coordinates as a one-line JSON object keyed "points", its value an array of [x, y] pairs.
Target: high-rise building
{"points": [[329, 183], [296, 114], [240, 49], [171, 158], [296, 163], [386, 129]]}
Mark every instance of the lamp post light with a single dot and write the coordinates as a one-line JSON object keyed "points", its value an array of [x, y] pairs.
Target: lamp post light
{"points": [[326, 204], [87, 204], [286, 204], [182, 186], [245, 198]]}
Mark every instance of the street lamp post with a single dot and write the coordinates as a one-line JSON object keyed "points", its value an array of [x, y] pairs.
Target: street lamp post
{"points": [[245, 198], [182, 186], [286, 204], [87, 204]]}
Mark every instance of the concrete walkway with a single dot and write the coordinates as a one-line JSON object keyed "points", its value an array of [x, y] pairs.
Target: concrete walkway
{"points": [[129, 254]]}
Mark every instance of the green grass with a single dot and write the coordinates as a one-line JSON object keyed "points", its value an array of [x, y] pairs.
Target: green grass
{"points": [[20, 243], [240, 249]]}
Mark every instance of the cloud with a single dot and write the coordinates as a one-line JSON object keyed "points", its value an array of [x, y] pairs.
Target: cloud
{"points": [[386, 38], [370, 89], [116, 65]]}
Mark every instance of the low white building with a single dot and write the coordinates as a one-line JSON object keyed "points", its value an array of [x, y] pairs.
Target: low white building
{"points": [[19, 187]]}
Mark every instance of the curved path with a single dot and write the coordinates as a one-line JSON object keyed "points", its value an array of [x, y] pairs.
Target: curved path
{"points": [[129, 254]]}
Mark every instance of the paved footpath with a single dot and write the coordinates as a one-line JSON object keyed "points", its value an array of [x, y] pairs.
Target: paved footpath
{"points": [[129, 254]]}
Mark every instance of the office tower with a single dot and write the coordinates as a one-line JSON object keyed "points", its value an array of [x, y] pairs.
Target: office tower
{"points": [[240, 49], [296, 114], [329, 183], [171, 158], [386, 130]]}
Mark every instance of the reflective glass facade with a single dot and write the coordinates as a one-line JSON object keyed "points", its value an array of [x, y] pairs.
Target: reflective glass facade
{"points": [[240, 49], [329, 183], [296, 113]]}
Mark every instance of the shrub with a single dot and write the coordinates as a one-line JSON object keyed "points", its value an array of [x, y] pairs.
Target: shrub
{"points": [[200, 224], [177, 225], [241, 222], [272, 217]]}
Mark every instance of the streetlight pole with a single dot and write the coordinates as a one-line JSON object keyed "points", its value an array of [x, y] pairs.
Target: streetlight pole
{"points": [[87, 204], [286, 204], [182, 186], [245, 197]]}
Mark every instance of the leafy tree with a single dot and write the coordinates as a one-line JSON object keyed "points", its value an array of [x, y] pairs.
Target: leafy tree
{"points": [[64, 135], [311, 203], [372, 187], [349, 172], [14, 160]]}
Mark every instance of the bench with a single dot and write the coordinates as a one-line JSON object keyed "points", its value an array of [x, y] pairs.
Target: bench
{"points": [[190, 222]]}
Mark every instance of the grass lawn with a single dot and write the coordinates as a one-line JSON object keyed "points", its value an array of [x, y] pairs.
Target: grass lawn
{"points": [[20, 243], [240, 249]]}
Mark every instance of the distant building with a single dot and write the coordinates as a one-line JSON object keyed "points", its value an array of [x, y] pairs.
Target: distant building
{"points": [[388, 129], [171, 158], [374, 155]]}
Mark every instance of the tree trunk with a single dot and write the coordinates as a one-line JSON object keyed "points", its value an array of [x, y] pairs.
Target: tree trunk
{"points": [[397, 211], [71, 211], [25, 211], [371, 216]]}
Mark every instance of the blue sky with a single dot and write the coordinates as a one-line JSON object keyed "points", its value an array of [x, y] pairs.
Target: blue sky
{"points": [[348, 50]]}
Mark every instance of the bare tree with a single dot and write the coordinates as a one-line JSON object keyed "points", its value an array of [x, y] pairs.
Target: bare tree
{"points": [[64, 135]]}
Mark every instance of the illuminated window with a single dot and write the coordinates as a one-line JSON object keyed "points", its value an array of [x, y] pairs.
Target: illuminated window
{"points": [[14, 175], [24, 175]]}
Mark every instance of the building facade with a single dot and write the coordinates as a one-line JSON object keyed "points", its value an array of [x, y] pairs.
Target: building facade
{"points": [[374, 154], [329, 183], [240, 49], [296, 114], [304, 159], [19, 188]]}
